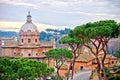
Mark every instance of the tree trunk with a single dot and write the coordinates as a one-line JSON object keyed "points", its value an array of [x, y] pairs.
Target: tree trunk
{"points": [[58, 72], [103, 66], [99, 75], [98, 69], [73, 63], [69, 71]]}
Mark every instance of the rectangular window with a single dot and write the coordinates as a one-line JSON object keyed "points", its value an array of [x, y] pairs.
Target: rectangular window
{"points": [[35, 40], [22, 40], [29, 40]]}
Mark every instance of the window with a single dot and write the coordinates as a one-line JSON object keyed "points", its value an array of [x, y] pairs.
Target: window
{"points": [[22, 40], [112, 62], [81, 68], [35, 40], [29, 40], [29, 54]]}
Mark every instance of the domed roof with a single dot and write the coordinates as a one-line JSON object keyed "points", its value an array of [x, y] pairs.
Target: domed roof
{"points": [[29, 25]]}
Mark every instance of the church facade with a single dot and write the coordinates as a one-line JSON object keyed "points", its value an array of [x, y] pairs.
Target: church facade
{"points": [[28, 44]]}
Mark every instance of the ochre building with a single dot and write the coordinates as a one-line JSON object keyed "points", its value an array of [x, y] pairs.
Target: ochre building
{"points": [[87, 61]]}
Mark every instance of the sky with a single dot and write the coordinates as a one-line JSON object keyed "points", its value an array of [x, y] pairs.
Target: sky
{"points": [[56, 13]]}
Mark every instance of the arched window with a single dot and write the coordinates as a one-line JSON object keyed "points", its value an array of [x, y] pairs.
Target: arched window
{"points": [[29, 40]]}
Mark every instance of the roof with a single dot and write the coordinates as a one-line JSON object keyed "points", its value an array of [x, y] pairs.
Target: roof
{"points": [[11, 44], [110, 56], [29, 46], [29, 26], [85, 57], [105, 62], [16, 44], [45, 44], [6, 38]]}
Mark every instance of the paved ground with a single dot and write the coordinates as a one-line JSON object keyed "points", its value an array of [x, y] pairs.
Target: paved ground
{"points": [[82, 75]]}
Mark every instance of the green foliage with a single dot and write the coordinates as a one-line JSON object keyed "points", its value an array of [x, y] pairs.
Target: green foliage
{"points": [[97, 32], [47, 35], [72, 40], [59, 53], [22, 68], [107, 72], [115, 78], [106, 28], [47, 72]]}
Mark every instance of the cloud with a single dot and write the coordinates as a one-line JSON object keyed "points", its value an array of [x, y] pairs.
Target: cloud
{"points": [[18, 3], [85, 13], [15, 26], [68, 5], [61, 12], [54, 3]]}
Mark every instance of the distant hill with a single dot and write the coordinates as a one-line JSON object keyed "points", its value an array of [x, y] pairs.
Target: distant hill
{"points": [[44, 35], [8, 34], [65, 31], [53, 33]]}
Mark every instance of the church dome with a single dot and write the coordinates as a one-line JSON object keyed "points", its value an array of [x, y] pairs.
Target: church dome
{"points": [[29, 26]]}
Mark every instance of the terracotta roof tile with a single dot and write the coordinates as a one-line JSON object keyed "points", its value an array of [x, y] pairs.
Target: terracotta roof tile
{"points": [[85, 57], [110, 56]]}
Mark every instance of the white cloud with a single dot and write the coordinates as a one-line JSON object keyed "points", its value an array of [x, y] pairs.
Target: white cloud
{"points": [[65, 12], [54, 3], [19, 3], [15, 26], [85, 13]]}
